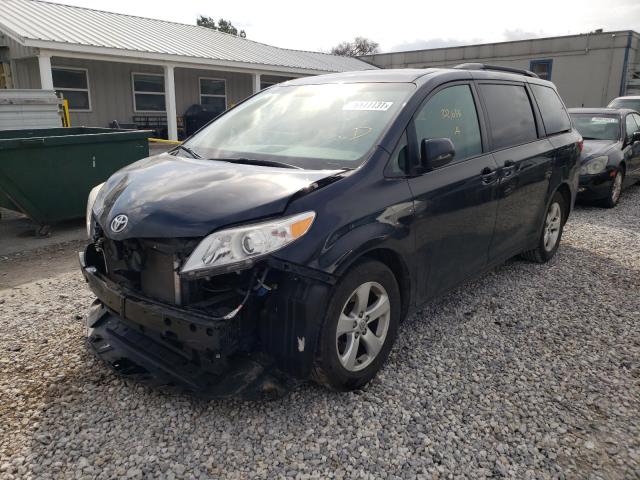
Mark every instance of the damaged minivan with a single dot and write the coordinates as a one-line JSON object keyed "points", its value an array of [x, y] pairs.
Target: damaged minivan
{"points": [[288, 238]]}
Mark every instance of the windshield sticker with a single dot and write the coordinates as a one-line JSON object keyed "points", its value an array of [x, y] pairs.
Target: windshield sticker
{"points": [[604, 120], [372, 105]]}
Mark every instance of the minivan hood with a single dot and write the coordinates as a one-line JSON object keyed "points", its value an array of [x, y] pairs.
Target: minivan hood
{"points": [[170, 197], [593, 148]]}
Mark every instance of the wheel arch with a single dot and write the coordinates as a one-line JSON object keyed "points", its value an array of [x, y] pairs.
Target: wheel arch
{"points": [[394, 261], [564, 190], [622, 166]]}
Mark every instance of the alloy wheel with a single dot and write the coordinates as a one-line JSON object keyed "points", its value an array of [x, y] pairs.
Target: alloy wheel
{"points": [[616, 188], [363, 326], [552, 225]]}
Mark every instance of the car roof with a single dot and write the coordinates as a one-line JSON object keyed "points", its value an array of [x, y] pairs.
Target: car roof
{"points": [[398, 75], [603, 111], [411, 75], [630, 97]]}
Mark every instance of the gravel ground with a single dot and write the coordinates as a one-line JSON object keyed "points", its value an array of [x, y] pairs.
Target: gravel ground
{"points": [[528, 372]]}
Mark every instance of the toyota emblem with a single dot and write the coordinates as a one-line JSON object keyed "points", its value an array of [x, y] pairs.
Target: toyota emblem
{"points": [[119, 223]]}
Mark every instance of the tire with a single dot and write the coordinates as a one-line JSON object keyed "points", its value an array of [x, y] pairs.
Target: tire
{"points": [[549, 241], [343, 362], [615, 190]]}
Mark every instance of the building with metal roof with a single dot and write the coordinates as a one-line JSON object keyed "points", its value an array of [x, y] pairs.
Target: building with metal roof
{"points": [[114, 67]]}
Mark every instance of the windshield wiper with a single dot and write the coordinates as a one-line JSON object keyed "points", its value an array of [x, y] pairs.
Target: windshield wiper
{"points": [[251, 161], [188, 150]]}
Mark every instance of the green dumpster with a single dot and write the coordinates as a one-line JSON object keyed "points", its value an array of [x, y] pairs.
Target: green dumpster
{"points": [[47, 173]]}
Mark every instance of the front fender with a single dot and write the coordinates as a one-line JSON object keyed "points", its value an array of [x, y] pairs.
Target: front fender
{"points": [[389, 229]]}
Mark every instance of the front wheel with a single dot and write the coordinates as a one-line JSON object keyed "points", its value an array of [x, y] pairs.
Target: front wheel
{"points": [[359, 328], [615, 190], [551, 231]]}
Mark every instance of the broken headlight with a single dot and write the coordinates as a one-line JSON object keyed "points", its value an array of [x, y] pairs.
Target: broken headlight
{"points": [[239, 247], [93, 194]]}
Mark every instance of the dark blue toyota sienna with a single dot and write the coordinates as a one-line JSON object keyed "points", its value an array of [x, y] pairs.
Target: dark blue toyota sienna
{"points": [[289, 237]]}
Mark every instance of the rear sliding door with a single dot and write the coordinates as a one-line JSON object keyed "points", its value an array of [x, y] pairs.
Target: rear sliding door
{"points": [[525, 162]]}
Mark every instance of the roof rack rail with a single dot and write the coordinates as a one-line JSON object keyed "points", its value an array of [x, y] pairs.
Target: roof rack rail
{"points": [[497, 68]]}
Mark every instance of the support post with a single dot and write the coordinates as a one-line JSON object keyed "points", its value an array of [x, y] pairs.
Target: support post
{"points": [[256, 82], [170, 102], [46, 76]]}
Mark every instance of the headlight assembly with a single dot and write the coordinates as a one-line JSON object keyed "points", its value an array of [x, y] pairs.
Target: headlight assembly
{"points": [[93, 194], [595, 165], [239, 247]]}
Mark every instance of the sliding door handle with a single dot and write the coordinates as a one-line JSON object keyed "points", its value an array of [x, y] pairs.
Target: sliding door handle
{"points": [[488, 176]]}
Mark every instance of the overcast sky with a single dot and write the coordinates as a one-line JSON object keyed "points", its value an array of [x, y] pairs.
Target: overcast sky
{"points": [[395, 25]]}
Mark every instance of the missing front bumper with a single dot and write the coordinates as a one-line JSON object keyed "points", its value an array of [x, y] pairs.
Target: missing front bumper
{"points": [[138, 356], [162, 344]]}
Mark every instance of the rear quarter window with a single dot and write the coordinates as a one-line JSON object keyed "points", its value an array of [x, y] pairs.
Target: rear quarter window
{"points": [[554, 115], [510, 115]]}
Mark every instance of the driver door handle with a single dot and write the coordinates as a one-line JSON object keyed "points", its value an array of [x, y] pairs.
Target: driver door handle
{"points": [[488, 176]]}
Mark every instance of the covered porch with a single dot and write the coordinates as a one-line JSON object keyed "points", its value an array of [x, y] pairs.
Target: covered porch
{"points": [[112, 67], [133, 91]]}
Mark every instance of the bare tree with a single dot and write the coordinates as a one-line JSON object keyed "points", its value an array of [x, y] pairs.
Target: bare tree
{"points": [[359, 46]]}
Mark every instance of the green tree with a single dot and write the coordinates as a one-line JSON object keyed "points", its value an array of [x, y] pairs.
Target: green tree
{"points": [[359, 46], [222, 26]]}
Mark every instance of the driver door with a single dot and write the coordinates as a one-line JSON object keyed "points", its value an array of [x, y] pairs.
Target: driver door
{"points": [[455, 205], [632, 153]]}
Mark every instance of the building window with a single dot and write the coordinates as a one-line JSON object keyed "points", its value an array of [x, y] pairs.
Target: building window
{"points": [[542, 68], [148, 92], [73, 85], [213, 93]]}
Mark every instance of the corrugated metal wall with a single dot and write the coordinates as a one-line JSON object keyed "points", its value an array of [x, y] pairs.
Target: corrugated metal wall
{"points": [[587, 69], [28, 109], [25, 73], [16, 50]]}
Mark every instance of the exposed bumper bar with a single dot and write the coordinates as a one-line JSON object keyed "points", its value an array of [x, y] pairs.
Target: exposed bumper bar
{"points": [[155, 344]]}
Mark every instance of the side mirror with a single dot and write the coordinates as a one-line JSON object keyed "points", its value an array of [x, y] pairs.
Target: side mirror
{"points": [[436, 152], [635, 137]]}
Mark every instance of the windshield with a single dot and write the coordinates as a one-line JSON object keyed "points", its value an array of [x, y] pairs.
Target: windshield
{"points": [[597, 127], [310, 126], [632, 103]]}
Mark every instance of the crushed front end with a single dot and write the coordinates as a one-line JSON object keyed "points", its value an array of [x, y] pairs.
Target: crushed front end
{"points": [[250, 332]]}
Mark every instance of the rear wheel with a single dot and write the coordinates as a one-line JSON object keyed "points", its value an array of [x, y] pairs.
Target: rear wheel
{"points": [[551, 231], [360, 327], [615, 190]]}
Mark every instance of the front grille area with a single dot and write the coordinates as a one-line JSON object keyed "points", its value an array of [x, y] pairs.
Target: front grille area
{"points": [[150, 268], [145, 266], [158, 278]]}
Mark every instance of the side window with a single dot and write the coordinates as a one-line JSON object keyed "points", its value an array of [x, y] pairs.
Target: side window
{"points": [[510, 115], [630, 126], [636, 117], [554, 115], [451, 113], [398, 165]]}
